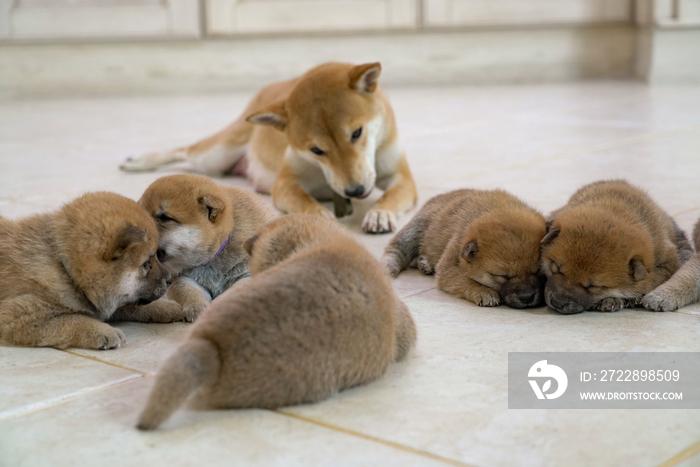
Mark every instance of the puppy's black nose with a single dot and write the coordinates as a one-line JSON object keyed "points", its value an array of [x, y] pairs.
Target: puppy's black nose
{"points": [[161, 255], [355, 191], [169, 281], [527, 297]]}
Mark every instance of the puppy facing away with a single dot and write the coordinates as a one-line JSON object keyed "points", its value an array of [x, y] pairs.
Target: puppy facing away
{"points": [[329, 133], [318, 316], [202, 227], [482, 246], [63, 274], [680, 290], [606, 248]]}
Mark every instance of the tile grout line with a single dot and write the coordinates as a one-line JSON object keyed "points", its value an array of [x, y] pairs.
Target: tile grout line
{"points": [[685, 211], [417, 293], [142, 373], [9, 415], [373, 439], [687, 453], [578, 152]]}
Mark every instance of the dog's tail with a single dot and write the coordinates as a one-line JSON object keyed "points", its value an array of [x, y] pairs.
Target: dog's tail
{"points": [[404, 247], [405, 332], [194, 364]]}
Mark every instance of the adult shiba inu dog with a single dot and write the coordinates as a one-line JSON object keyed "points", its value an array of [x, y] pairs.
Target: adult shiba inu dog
{"points": [[680, 290], [483, 246], [202, 227], [64, 273], [329, 133], [606, 248], [318, 316]]}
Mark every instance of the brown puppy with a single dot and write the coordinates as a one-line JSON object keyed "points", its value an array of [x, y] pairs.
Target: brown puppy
{"points": [[680, 290], [202, 228], [606, 248], [64, 273], [318, 316], [482, 245]]}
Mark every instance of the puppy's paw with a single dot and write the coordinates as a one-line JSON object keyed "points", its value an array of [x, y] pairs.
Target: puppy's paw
{"points": [[424, 266], [379, 221], [391, 264], [611, 304], [660, 301], [191, 311], [139, 164], [165, 311], [103, 337], [486, 297]]}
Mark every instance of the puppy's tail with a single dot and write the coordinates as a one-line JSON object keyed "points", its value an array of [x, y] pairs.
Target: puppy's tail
{"points": [[404, 247], [405, 332], [194, 364]]}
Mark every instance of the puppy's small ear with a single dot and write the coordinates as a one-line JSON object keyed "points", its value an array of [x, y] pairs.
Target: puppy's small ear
{"points": [[552, 233], [213, 205], [275, 115], [637, 269], [129, 236], [250, 243], [363, 78], [469, 250]]}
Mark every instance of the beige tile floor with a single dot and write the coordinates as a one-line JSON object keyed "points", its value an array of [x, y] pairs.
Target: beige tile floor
{"points": [[447, 404]]}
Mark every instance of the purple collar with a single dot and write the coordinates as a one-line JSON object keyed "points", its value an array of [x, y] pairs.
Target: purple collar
{"points": [[221, 248]]}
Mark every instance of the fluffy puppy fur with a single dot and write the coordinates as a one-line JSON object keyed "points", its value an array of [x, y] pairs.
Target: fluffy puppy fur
{"points": [[202, 228], [606, 248], [64, 273], [482, 245], [680, 290], [318, 316]]}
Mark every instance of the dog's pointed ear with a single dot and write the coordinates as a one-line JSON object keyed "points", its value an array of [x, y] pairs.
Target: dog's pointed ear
{"points": [[129, 236], [250, 243], [213, 205], [552, 233], [469, 250], [275, 115], [363, 78], [637, 269]]}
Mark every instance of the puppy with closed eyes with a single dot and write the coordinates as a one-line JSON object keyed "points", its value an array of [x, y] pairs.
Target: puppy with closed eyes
{"points": [[202, 227], [482, 246], [319, 315], [606, 248], [64, 274], [680, 290]]}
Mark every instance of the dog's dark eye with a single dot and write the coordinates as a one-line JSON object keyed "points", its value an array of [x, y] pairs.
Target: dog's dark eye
{"points": [[356, 135], [318, 151], [147, 265], [163, 218]]}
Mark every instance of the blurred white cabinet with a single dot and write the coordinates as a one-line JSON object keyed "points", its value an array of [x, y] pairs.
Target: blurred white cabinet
{"points": [[84, 19], [670, 13], [522, 12], [225, 17]]}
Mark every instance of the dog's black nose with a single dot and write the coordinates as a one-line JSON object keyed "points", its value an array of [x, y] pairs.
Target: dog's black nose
{"points": [[355, 191], [169, 281], [527, 297], [161, 255]]}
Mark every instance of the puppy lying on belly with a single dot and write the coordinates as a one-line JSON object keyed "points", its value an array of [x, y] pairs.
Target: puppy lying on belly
{"points": [[63, 274], [318, 316], [606, 248], [680, 290], [482, 245], [202, 227]]}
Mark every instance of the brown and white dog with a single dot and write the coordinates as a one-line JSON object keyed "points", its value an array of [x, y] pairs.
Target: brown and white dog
{"points": [[330, 132], [606, 248], [318, 316]]}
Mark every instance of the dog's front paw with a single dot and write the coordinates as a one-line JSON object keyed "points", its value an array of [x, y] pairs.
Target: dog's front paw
{"points": [[165, 311], [139, 164], [660, 301], [379, 221], [103, 337], [611, 304], [425, 266], [486, 297], [191, 311]]}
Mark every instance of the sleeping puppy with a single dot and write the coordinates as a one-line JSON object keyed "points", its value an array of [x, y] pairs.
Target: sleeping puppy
{"points": [[680, 290], [482, 245], [63, 274], [606, 248], [318, 316], [202, 228]]}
